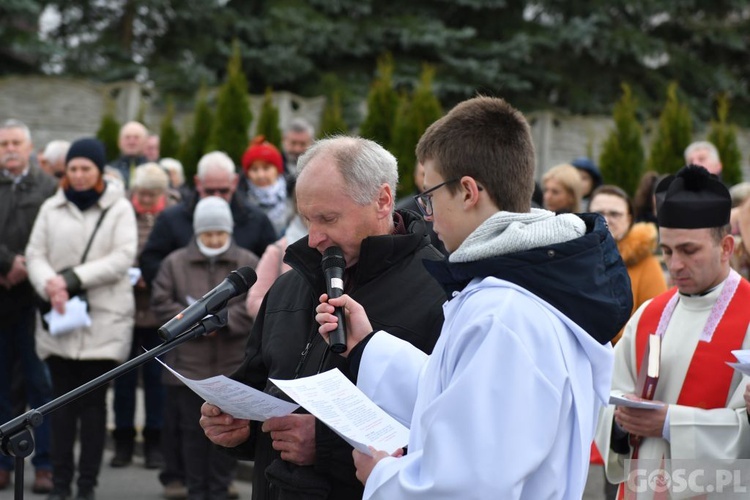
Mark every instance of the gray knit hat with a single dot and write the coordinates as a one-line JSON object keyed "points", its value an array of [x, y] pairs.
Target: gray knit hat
{"points": [[212, 214]]}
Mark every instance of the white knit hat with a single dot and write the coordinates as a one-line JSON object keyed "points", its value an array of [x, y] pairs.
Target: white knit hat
{"points": [[212, 214]]}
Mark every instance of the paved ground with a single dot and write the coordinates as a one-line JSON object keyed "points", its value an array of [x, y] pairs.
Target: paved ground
{"points": [[129, 483], [137, 482]]}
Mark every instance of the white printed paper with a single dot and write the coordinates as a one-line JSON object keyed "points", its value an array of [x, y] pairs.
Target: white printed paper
{"points": [[134, 274], [743, 356], [338, 403], [75, 316], [236, 398]]}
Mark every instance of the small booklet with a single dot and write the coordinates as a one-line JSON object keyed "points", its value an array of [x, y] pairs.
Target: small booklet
{"points": [[236, 398], [339, 404], [648, 376], [743, 361]]}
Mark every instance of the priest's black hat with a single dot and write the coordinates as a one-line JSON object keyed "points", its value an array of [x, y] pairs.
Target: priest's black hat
{"points": [[692, 199]]}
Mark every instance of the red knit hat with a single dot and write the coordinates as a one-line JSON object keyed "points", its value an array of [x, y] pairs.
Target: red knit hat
{"points": [[261, 150]]}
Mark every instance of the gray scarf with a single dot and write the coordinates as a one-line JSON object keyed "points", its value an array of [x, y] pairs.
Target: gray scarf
{"points": [[508, 232]]}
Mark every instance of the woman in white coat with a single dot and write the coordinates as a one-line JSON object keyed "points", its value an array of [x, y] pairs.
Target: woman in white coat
{"points": [[86, 212]]}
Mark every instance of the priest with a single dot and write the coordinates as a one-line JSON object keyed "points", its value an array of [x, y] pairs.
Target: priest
{"points": [[700, 321]]}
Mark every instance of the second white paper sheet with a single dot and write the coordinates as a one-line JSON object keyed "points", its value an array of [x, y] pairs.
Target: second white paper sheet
{"points": [[333, 399]]}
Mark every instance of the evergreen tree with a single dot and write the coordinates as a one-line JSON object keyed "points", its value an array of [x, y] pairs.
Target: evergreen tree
{"points": [[414, 115], [333, 121], [109, 132], [622, 161], [673, 135], [196, 143], [723, 135], [169, 138], [268, 121], [233, 115], [382, 103]]}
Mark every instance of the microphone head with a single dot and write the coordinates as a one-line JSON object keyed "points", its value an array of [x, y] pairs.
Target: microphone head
{"points": [[243, 278], [333, 257]]}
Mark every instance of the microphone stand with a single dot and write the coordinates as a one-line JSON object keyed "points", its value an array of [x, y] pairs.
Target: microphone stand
{"points": [[16, 439]]}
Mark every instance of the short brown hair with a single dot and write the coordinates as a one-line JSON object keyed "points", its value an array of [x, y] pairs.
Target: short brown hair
{"points": [[487, 139]]}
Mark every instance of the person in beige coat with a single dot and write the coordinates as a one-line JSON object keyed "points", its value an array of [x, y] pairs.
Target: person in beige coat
{"points": [[85, 205]]}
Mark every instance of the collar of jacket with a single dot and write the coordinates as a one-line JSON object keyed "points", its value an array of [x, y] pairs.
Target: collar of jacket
{"points": [[583, 278], [376, 254], [112, 193]]}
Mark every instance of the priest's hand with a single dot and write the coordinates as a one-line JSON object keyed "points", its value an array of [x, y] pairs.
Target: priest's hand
{"points": [[642, 422], [222, 428], [365, 463], [294, 436], [358, 324]]}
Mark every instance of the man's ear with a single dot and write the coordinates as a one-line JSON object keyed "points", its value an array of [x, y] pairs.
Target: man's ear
{"points": [[384, 201], [727, 247], [470, 191]]}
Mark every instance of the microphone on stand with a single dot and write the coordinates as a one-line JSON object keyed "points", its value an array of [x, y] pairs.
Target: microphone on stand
{"points": [[333, 269], [237, 283]]}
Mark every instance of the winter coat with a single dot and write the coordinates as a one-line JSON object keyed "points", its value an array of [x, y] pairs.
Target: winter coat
{"points": [[144, 316], [389, 275], [19, 205], [186, 274], [57, 242], [173, 229]]}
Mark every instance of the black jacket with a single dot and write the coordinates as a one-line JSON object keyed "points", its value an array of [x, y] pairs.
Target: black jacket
{"points": [[399, 296], [123, 165], [173, 229], [19, 205]]}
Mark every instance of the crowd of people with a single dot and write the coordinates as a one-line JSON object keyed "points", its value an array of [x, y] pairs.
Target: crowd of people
{"points": [[492, 315]]}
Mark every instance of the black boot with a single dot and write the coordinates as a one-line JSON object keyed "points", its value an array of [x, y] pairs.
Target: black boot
{"points": [[124, 445], [152, 455]]}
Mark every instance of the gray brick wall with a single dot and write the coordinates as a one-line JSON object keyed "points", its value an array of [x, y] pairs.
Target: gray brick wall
{"points": [[60, 108]]}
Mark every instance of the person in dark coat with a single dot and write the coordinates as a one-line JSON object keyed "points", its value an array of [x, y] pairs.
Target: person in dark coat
{"points": [[345, 193], [173, 228], [23, 189]]}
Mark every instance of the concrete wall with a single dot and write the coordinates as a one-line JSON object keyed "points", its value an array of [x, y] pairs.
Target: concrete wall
{"points": [[59, 108]]}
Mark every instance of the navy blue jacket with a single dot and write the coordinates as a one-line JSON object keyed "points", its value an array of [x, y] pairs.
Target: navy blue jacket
{"points": [[584, 278]]}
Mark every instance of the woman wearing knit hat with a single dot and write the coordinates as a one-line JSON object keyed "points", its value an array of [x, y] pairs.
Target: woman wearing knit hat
{"points": [[184, 276], [82, 244], [265, 184]]}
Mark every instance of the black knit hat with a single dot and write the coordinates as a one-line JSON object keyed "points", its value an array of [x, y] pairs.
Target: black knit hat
{"points": [[89, 148], [692, 199]]}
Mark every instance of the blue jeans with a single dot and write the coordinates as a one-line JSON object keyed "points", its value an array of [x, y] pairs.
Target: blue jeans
{"points": [[153, 390], [17, 342]]}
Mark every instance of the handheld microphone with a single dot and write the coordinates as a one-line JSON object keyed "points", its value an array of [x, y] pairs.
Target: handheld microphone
{"points": [[237, 283], [333, 269]]}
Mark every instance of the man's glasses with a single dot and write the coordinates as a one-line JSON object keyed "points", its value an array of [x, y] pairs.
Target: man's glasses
{"points": [[424, 200], [216, 191]]}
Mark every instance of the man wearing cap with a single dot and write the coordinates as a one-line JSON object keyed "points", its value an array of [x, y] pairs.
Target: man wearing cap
{"points": [[700, 322]]}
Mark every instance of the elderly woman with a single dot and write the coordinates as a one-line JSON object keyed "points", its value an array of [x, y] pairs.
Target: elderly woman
{"points": [[83, 242], [149, 198], [185, 275], [562, 189], [636, 243]]}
